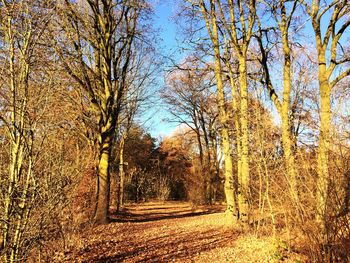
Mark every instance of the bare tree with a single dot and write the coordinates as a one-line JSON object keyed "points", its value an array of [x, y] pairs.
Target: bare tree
{"points": [[284, 18], [238, 19], [137, 99], [21, 34], [331, 59], [95, 49], [187, 95]]}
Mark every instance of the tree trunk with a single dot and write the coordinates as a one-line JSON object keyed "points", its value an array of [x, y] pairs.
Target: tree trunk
{"points": [[236, 121], [243, 180], [201, 156], [211, 25], [214, 170], [120, 190], [103, 180], [208, 175], [107, 124], [225, 140], [323, 148], [287, 140]]}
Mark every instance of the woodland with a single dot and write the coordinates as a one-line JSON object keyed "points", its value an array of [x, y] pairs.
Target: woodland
{"points": [[257, 170]]}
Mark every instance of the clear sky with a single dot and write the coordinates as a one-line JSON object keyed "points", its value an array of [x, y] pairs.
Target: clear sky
{"points": [[164, 11]]}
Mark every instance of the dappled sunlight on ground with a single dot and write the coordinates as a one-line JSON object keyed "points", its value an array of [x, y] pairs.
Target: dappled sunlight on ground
{"points": [[163, 232], [162, 210]]}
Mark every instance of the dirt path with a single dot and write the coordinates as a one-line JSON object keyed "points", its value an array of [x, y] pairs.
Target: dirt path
{"points": [[169, 232]]}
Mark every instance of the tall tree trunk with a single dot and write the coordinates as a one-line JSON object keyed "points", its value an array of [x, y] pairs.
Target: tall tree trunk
{"points": [[236, 121], [328, 33], [120, 190], [107, 122], [243, 180], [202, 166], [283, 108], [231, 209], [196, 121], [211, 24], [287, 137], [103, 180], [214, 167], [245, 18], [323, 148], [108, 43], [208, 175]]}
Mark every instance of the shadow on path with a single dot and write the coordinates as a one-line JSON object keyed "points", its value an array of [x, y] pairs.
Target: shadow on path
{"points": [[159, 237], [147, 212], [179, 247]]}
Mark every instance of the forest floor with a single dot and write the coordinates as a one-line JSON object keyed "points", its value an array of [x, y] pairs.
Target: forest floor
{"points": [[174, 232]]}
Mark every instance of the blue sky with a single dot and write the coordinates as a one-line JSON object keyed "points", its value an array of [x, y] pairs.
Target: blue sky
{"points": [[164, 10]]}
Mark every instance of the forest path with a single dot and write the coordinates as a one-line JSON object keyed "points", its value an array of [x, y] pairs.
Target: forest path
{"points": [[169, 232]]}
